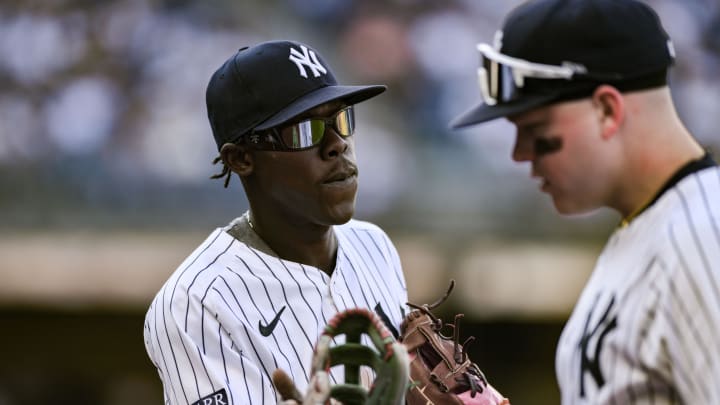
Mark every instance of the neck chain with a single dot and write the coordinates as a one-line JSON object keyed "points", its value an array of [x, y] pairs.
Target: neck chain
{"points": [[625, 221], [249, 221]]}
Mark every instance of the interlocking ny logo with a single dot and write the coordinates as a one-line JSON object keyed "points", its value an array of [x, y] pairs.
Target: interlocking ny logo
{"points": [[592, 365], [306, 58]]}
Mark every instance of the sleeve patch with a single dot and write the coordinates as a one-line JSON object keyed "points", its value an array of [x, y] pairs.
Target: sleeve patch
{"points": [[216, 398]]}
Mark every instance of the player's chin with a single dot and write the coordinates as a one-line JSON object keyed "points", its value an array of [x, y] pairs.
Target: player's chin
{"points": [[341, 212], [340, 202]]}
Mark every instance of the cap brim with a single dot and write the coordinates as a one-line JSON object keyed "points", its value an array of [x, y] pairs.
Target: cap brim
{"points": [[349, 94], [483, 112]]}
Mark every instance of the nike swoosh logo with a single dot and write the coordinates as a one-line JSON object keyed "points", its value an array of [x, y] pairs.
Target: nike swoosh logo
{"points": [[266, 330]]}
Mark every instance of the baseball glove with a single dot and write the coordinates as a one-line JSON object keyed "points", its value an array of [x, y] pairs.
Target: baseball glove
{"points": [[388, 359], [440, 370]]}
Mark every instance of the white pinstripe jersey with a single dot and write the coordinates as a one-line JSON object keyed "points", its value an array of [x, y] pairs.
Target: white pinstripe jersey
{"points": [[204, 330], [646, 329]]}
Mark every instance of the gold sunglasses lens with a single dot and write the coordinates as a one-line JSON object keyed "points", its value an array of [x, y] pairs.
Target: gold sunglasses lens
{"points": [[345, 122]]}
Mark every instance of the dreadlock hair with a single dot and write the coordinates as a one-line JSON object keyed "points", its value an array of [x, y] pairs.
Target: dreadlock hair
{"points": [[226, 172]]}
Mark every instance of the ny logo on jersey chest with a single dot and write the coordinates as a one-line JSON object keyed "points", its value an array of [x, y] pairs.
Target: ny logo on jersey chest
{"points": [[606, 323]]}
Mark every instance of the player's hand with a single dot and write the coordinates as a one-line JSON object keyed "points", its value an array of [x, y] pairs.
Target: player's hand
{"points": [[318, 392]]}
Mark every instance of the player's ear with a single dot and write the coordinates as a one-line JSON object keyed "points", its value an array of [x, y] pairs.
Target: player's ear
{"points": [[238, 158], [610, 105]]}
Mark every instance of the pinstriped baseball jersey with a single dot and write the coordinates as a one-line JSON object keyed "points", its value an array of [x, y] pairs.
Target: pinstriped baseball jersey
{"points": [[231, 314], [646, 328]]}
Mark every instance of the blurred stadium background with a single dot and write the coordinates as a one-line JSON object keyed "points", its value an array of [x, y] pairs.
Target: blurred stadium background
{"points": [[105, 155]]}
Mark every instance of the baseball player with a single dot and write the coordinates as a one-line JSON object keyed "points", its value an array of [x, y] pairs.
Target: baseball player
{"points": [[584, 83], [257, 293]]}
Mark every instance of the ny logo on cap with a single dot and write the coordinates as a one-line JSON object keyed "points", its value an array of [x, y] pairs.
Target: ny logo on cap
{"points": [[306, 58]]}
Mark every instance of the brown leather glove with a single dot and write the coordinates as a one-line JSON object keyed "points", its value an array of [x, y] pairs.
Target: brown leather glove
{"points": [[440, 370]]}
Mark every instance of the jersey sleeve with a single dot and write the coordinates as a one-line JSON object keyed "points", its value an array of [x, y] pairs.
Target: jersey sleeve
{"points": [[200, 362]]}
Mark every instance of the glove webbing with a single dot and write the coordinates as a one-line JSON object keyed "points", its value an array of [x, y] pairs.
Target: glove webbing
{"points": [[389, 359], [451, 375]]}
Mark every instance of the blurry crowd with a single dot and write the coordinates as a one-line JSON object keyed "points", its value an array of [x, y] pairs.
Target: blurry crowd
{"points": [[103, 118]]}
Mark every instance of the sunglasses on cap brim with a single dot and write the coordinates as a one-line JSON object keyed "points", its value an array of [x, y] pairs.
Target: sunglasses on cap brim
{"points": [[305, 134], [502, 78]]}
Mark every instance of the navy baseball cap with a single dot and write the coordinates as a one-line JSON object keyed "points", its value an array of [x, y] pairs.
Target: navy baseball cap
{"points": [[555, 50], [265, 85]]}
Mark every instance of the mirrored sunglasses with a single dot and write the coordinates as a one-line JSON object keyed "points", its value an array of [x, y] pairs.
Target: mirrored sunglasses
{"points": [[307, 133], [502, 78]]}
